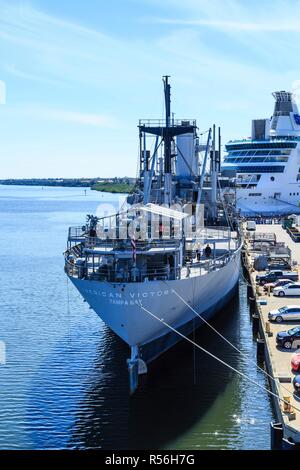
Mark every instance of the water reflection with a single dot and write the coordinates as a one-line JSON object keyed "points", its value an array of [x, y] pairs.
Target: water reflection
{"points": [[170, 403]]}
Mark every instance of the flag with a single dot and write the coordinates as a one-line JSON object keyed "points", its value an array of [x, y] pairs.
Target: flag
{"points": [[133, 247]]}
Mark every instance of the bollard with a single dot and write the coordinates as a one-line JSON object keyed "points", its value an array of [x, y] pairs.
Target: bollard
{"points": [[268, 329], [287, 407], [257, 291]]}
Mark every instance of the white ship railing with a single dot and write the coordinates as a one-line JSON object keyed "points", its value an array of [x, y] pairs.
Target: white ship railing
{"points": [[81, 234], [90, 269], [162, 122]]}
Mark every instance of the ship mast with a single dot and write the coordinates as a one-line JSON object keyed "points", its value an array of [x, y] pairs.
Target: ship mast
{"points": [[167, 143], [166, 132]]}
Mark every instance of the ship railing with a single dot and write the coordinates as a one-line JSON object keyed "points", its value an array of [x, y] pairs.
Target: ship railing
{"points": [[213, 232], [207, 265], [82, 231], [120, 244], [83, 268], [76, 232], [162, 122], [144, 245], [107, 273], [134, 275]]}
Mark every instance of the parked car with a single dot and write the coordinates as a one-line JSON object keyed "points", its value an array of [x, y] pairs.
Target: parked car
{"points": [[280, 264], [289, 339], [289, 313], [281, 282], [288, 289], [296, 383], [275, 275], [251, 225], [295, 362]]}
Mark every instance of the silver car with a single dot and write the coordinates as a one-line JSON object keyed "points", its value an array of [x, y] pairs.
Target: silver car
{"points": [[289, 313], [292, 289]]}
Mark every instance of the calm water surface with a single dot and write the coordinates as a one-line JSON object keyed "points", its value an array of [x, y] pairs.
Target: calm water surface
{"points": [[64, 384]]}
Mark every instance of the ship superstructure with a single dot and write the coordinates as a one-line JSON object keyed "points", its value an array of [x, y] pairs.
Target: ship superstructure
{"points": [[266, 167], [153, 254]]}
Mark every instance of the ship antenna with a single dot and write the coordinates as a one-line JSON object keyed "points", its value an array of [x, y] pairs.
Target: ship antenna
{"points": [[167, 88], [167, 140]]}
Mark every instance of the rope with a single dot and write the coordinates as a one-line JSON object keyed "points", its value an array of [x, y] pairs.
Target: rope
{"points": [[161, 320], [230, 225], [194, 330], [229, 222], [227, 340]]}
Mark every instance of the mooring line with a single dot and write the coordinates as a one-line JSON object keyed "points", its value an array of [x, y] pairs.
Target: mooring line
{"points": [[229, 342], [161, 320]]}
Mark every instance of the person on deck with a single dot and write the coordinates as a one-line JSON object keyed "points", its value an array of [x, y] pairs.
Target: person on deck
{"points": [[207, 251], [160, 229]]}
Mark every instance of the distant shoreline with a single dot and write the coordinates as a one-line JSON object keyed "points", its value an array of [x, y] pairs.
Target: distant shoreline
{"points": [[121, 188], [115, 185]]}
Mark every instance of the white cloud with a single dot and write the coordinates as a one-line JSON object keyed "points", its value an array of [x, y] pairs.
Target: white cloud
{"points": [[225, 58], [63, 115], [14, 71], [65, 51], [234, 16], [75, 117], [285, 26]]}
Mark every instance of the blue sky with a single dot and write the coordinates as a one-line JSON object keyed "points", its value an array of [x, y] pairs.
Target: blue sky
{"points": [[79, 74]]}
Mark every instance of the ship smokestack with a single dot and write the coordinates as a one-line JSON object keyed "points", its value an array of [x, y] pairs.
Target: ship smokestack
{"points": [[285, 120], [284, 101]]}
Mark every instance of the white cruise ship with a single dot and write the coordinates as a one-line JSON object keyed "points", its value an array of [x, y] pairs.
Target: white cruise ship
{"points": [[266, 168]]}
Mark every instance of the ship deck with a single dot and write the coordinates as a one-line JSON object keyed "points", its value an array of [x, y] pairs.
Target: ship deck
{"points": [[88, 254]]}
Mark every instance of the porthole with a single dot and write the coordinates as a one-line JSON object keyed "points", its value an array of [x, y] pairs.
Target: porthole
{"points": [[272, 178]]}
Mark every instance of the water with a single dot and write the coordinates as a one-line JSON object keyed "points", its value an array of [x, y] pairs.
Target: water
{"points": [[64, 384]]}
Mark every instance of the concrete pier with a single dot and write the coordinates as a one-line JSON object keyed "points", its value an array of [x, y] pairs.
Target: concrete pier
{"points": [[278, 361]]}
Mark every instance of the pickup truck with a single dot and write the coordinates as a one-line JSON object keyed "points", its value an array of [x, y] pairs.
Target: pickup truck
{"points": [[274, 275]]}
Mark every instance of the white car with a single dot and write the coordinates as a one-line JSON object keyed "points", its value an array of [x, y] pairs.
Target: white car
{"points": [[289, 313], [288, 289]]}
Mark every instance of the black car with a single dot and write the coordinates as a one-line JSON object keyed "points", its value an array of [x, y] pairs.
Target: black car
{"points": [[275, 275], [296, 383], [289, 339]]}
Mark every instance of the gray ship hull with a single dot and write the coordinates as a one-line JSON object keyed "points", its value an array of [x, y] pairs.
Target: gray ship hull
{"points": [[118, 305], [151, 351]]}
